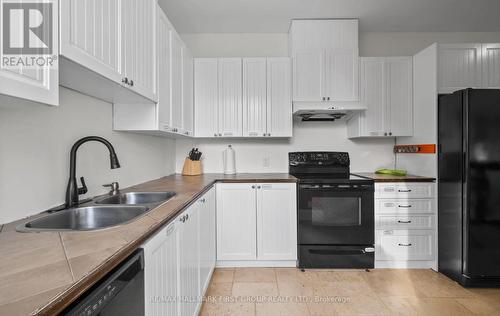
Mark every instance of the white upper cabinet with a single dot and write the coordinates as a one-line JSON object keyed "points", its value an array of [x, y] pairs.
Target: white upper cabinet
{"points": [[138, 42], [206, 98], [491, 66], [371, 122], [187, 92], [91, 35], [40, 84], [386, 89], [230, 97], [109, 49], [249, 97], [163, 50], [459, 67], [254, 96], [325, 60], [176, 82], [308, 75], [279, 97], [399, 72]]}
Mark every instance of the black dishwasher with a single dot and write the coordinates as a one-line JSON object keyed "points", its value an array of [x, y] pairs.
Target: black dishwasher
{"points": [[120, 292]]}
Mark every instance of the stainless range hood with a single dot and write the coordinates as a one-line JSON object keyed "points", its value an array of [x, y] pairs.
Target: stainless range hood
{"points": [[326, 111]]}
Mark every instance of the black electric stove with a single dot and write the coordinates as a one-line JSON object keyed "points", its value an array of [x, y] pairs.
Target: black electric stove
{"points": [[335, 212]]}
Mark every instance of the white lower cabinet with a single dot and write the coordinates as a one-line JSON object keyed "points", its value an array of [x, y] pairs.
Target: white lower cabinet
{"points": [[405, 225], [256, 224], [207, 238], [176, 268]]}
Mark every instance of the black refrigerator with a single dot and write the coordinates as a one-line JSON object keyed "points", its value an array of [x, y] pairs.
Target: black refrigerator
{"points": [[469, 186]]}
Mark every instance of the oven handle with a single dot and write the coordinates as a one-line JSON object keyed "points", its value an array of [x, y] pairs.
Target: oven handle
{"points": [[336, 188], [341, 252]]}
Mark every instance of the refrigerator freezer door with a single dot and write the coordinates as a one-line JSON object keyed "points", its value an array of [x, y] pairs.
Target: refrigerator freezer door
{"points": [[450, 174], [482, 250]]}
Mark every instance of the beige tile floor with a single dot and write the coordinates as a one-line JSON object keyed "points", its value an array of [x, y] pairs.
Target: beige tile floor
{"points": [[289, 292]]}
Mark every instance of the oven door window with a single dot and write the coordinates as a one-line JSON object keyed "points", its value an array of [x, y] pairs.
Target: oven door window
{"points": [[335, 211]]}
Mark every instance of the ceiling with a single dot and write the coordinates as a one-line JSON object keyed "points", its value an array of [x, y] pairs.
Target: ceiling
{"points": [[273, 16]]}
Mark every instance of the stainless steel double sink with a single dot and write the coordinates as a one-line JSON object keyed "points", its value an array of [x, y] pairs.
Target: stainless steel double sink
{"points": [[100, 213]]}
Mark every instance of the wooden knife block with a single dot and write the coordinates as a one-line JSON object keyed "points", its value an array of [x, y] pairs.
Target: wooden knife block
{"points": [[191, 167]]}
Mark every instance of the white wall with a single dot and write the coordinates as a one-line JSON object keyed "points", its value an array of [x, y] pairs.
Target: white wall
{"points": [[251, 154], [35, 141]]}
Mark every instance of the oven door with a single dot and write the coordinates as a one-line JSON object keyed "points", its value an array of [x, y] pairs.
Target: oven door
{"points": [[336, 214]]}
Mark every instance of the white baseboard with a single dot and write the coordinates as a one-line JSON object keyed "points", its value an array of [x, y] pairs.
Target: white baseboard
{"points": [[256, 264], [405, 265]]}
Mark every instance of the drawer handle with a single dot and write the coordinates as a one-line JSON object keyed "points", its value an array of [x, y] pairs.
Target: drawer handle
{"points": [[404, 222], [404, 206], [404, 245], [404, 191]]}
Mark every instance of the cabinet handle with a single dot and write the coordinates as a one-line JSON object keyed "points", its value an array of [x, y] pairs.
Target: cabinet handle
{"points": [[253, 186], [390, 133], [268, 134], [220, 134], [187, 216], [202, 200], [385, 134], [131, 83], [183, 218], [125, 80], [328, 98], [186, 133], [404, 191], [404, 206], [258, 187], [404, 222], [215, 134], [324, 98], [404, 245]]}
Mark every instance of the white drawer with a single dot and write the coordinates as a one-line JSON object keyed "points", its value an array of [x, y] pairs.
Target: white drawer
{"points": [[404, 206], [397, 245], [404, 221], [404, 190]]}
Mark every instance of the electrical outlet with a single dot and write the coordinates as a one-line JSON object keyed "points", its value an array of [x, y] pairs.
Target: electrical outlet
{"points": [[265, 162]]}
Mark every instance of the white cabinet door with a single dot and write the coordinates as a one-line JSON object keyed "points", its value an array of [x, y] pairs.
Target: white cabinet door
{"points": [[308, 75], [399, 95], [207, 234], [491, 66], [276, 221], [254, 97], [161, 272], [91, 36], [187, 92], [189, 261], [341, 75], [176, 81], [138, 43], [459, 67], [236, 221], [40, 84], [279, 98], [373, 95], [206, 99], [163, 48], [230, 97]]}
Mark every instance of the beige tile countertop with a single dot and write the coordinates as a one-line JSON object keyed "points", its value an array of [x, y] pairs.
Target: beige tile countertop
{"points": [[42, 273], [392, 178]]}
